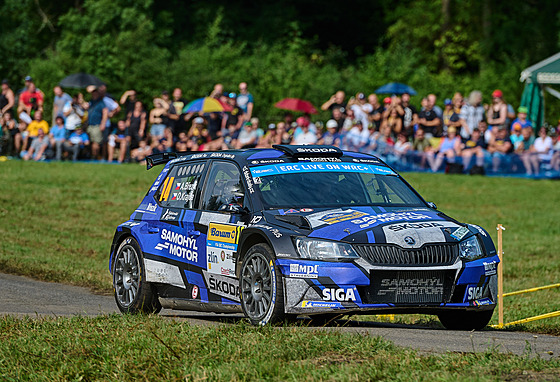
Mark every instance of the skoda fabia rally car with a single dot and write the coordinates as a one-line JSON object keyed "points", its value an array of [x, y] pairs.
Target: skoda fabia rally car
{"points": [[298, 230]]}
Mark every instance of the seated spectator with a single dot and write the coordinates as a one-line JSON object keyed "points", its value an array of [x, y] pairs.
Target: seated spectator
{"points": [[339, 116], [450, 117], [521, 119], [57, 137], [331, 137], [285, 137], [136, 123], [140, 153], [499, 146], [542, 151], [357, 138], [449, 147], [402, 146], [555, 161], [77, 143], [270, 138], [393, 122], [38, 147], [183, 143], [516, 137], [422, 146], [525, 148], [13, 133], [475, 145], [30, 100], [165, 144], [38, 123], [429, 121], [305, 137], [198, 134], [119, 138], [361, 108], [385, 141], [497, 112]]}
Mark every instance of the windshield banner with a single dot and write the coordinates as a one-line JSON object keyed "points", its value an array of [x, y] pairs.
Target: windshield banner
{"points": [[290, 168]]}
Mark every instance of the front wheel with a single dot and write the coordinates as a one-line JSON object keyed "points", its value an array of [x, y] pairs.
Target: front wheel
{"points": [[132, 293], [465, 320], [262, 296]]}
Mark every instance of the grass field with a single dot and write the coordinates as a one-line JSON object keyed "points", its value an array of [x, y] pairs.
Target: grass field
{"points": [[120, 348], [57, 221]]}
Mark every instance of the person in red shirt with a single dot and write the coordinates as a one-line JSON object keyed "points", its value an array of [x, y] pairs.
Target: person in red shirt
{"points": [[30, 100]]}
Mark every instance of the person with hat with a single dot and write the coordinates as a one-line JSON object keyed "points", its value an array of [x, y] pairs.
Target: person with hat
{"points": [[361, 108], [270, 138], [331, 136], [497, 112], [247, 137], [521, 119], [7, 97], [198, 134]]}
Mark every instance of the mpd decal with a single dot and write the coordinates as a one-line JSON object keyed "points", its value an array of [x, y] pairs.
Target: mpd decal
{"points": [[178, 245], [224, 286], [221, 247], [304, 271], [490, 268], [340, 294]]}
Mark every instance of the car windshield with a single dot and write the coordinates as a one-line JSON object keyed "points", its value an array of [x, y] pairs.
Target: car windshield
{"points": [[335, 189]]}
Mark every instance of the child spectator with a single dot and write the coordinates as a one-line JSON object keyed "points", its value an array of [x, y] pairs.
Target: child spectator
{"points": [[475, 145], [38, 147], [422, 146], [521, 118], [449, 147], [57, 137], [38, 123], [140, 153], [499, 146], [77, 143], [119, 138]]}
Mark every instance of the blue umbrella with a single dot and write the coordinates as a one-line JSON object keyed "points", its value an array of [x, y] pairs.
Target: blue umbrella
{"points": [[395, 88]]}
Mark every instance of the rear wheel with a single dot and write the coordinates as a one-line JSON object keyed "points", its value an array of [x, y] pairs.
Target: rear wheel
{"points": [[465, 320], [132, 293], [262, 296]]}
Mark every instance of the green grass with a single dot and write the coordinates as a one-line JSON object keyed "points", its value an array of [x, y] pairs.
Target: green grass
{"points": [[57, 221], [119, 348]]}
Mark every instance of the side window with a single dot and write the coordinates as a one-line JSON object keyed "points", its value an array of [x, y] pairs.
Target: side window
{"points": [[179, 188], [224, 186]]}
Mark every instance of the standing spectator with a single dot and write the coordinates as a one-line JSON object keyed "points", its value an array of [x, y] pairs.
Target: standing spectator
{"points": [[60, 99], [471, 114], [393, 122], [73, 111], [497, 112], [128, 99], [499, 146], [113, 108], [432, 102], [410, 117], [338, 117], [119, 138], [402, 146], [361, 108], [376, 114], [198, 134], [57, 137], [285, 137], [30, 101], [449, 147], [215, 125], [331, 137], [136, 124], [335, 102], [165, 144], [429, 121], [38, 147], [450, 116], [175, 112], [7, 98], [97, 119], [357, 138], [270, 138], [522, 118], [245, 101], [13, 135], [158, 119], [305, 137], [475, 145], [76, 143]]}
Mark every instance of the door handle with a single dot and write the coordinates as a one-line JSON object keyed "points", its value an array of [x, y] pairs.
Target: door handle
{"points": [[153, 229], [193, 233]]}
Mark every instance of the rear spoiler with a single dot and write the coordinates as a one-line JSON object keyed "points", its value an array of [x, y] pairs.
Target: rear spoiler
{"points": [[161, 158]]}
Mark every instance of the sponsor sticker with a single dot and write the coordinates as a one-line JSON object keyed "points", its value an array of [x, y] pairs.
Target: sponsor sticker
{"points": [[474, 293], [178, 245], [339, 294], [490, 268], [302, 167], [194, 292], [224, 286], [459, 233], [320, 304], [248, 178], [342, 216], [169, 215], [221, 247], [400, 227], [480, 230], [151, 207], [483, 301]]}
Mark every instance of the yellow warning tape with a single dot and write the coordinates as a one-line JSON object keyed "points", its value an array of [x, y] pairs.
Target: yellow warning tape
{"points": [[532, 290], [529, 319]]}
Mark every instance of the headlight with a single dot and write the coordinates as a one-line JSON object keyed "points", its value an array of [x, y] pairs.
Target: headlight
{"points": [[470, 249], [324, 250]]}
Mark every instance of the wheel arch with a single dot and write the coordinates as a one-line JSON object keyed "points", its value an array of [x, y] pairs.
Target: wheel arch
{"points": [[247, 241], [119, 237]]}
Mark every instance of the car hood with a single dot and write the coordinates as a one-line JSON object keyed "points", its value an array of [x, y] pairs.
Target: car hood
{"points": [[406, 227]]}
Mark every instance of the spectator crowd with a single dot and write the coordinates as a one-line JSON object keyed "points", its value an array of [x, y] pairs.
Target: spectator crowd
{"points": [[463, 136]]}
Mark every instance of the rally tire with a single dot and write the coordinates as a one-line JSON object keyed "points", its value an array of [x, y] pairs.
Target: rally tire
{"points": [[132, 293], [260, 286], [465, 320]]}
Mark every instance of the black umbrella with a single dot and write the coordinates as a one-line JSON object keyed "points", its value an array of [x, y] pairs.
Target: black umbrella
{"points": [[80, 80]]}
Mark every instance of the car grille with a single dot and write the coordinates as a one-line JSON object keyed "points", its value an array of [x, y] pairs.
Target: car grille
{"points": [[440, 254], [409, 287]]}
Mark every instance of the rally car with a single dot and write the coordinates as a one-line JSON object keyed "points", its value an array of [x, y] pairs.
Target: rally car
{"points": [[298, 230]]}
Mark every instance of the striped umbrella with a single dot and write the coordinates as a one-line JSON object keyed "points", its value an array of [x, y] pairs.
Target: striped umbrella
{"points": [[204, 105]]}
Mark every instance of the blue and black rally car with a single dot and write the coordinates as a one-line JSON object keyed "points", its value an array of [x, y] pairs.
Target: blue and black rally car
{"points": [[298, 230]]}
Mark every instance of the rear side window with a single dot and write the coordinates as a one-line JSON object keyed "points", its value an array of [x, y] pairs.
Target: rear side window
{"points": [[179, 188]]}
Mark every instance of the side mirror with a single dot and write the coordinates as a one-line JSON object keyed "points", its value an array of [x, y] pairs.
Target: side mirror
{"points": [[233, 209], [432, 205]]}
